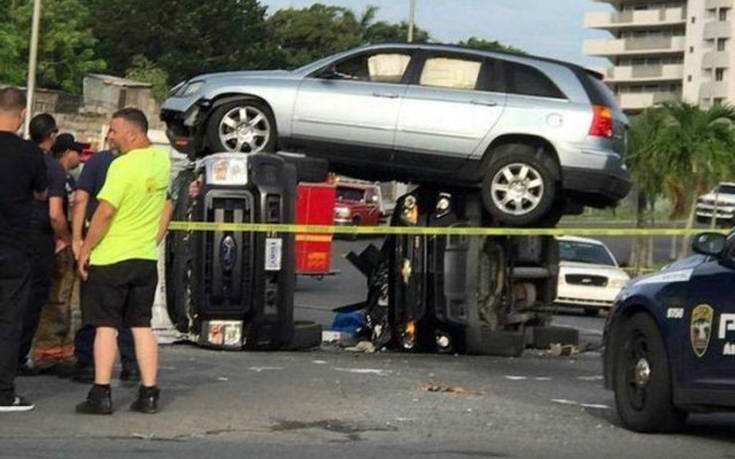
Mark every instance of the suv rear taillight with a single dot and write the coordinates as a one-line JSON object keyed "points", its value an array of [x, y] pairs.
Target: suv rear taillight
{"points": [[602, 122]]}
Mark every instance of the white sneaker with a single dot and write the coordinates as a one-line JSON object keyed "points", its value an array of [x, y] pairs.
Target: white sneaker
{"points": [[18, 405]]}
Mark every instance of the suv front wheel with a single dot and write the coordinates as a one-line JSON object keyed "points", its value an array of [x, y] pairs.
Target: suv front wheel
{"points": [[519, 188], [242, 126]]}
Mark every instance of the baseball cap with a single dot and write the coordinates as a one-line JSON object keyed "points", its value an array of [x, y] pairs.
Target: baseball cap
{"points": [[66, 142]]}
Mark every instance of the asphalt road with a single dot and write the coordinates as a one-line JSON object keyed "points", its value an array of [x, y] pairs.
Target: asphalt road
{"points": [[331, 403]]}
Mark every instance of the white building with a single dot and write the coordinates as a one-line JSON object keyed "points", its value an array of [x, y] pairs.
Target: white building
{"points": [[664, 50]]}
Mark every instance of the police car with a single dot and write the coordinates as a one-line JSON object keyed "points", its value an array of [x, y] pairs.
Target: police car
{"points": [[670, 340]]}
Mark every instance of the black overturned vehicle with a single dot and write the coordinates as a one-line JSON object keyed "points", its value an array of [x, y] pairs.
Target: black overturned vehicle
{"points": [[235, 289], [670, 340]]}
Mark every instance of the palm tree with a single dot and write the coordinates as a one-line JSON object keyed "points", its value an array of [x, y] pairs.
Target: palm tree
{"points": [[367, 18], [643, 160], [696, 149]]}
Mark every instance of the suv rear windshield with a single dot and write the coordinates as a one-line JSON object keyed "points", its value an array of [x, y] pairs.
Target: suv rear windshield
{"points": [[350, 194], [598, 92], [528, 81]]}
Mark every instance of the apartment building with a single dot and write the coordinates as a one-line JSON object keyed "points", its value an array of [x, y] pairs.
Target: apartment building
{"points": [[664, 50]]}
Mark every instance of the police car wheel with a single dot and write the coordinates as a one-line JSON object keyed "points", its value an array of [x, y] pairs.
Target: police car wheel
{"points": [[642, 378]]}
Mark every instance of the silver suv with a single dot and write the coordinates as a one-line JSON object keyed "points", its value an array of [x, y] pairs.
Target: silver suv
{"points": [[540, 137]]}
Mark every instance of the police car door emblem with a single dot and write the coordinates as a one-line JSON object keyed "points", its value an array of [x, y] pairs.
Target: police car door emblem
{"points": [[700, 330]]}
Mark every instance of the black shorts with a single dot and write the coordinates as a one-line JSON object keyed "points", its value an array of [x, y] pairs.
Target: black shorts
{"points": [[120, 294]]}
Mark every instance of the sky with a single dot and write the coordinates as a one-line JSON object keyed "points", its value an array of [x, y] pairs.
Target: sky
{"points": [[550, 28]]}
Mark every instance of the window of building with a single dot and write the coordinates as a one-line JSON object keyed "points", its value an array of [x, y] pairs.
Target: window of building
{"points": [[718, 101], [691, 49], [689, 78], [723, 14], [694, 20], [721, 44], [719, 74]]}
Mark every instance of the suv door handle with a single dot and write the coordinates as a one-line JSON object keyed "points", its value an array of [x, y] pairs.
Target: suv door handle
{"points": [[386, 95], [486, 103]]}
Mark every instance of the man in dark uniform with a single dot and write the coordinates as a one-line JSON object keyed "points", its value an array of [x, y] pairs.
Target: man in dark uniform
{"points": [[90, 183], [53, 338], [50, 234], [23, 175]]}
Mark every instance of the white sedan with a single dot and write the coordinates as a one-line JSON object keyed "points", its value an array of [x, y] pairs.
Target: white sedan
{"points": [[589, 275]]}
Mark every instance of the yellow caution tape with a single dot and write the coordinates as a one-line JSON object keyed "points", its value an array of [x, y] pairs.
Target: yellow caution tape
{"points": [[423, 231]]}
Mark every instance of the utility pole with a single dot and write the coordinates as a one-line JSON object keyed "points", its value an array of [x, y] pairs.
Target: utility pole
{"points": [[32, 61], [411, 21]]}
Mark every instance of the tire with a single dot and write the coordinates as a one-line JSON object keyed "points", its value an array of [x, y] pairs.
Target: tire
{"points": [[553, 216], [649, 407], [306, 335], [356, 223], [527, 166], [311, 170], [262, 141], [178, 257]]}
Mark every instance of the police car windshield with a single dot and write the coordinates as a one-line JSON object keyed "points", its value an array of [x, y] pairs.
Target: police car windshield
{"points": [[585, 252]]}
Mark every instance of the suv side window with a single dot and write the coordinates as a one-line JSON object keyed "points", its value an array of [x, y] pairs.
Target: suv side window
{"points": [[528, 81], [450, 73], [378, 68]]}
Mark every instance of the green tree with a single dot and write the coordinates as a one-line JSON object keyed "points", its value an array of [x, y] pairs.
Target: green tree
{"points": [[142, 69], [382, 31], [481, 43], [184, 38], [644, 162], [696, 148], [304, 35], [66, 46]]}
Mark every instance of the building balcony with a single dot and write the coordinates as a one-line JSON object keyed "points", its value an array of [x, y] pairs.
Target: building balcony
{"points": [[637, 101], [713, 4], [633, 19], [645, 73], [716, 59], [714, 89], [635, 46], [717, 29]]}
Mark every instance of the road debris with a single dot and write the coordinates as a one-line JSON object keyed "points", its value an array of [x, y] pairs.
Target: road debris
{"points": [[559, 350], [433, 387]]}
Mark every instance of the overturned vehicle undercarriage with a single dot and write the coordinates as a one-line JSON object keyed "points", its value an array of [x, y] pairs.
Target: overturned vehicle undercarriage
{"points": [[465, 294]]}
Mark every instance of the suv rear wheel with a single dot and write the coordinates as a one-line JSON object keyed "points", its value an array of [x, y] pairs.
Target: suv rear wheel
{"points": [[519, 188], [242, 126]]}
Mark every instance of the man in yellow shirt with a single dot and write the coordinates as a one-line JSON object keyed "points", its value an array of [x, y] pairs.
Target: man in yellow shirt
{"points": [[119, 256]]}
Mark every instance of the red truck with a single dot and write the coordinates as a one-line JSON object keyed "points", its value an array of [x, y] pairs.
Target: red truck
{"points": [[358, 204]]}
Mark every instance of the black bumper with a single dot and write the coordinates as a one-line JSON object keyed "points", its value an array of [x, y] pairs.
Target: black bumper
{"points": [[593, 188], [184, 139]]}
